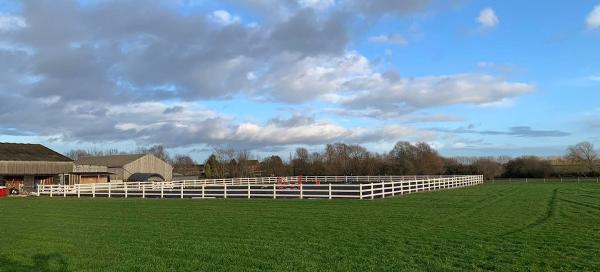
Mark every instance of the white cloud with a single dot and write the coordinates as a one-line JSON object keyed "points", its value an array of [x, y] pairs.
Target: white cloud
{"points": [[133, 72], [224, 17], [487, 18], [486, 64], [595, 78], [185, 124], [296, 80], [593, 19], [316, 4], [438, 118], [10, 22], [393, 39], [407, 94], [351, 82]]}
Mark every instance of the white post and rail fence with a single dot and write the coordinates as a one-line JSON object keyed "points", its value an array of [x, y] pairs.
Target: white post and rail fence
{"points": [[311, 187]]}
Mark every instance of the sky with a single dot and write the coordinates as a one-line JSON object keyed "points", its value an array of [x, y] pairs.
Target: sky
{"points": [[471, 78]]}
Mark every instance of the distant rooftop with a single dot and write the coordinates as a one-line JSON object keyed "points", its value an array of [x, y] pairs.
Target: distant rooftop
{"points": [[29, 152], [109, 161]]}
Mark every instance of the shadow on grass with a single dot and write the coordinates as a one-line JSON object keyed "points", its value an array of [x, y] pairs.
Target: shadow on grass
{"points": [[40, 262]]}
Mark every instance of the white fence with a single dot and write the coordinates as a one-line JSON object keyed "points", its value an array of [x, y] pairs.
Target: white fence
{"points": [[356, 187]]}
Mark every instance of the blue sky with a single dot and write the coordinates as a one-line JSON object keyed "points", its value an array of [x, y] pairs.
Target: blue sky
{"points": [[481, 78]]}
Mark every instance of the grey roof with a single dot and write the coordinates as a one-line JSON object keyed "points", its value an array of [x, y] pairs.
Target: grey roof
{"points": [[109, 161], [30, 152]]}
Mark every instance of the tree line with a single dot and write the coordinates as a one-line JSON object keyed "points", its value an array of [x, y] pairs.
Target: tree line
{"points": [[405, 158]]}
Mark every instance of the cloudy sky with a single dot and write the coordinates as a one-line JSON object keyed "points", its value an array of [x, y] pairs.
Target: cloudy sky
{"points": [[469, 77]]}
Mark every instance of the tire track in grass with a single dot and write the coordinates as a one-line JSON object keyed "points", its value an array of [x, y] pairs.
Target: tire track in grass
{"points": [[482, 204], [578, 203], [550, 212]]}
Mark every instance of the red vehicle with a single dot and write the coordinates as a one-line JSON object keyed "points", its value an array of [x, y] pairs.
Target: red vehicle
{"points": [[3, 191]]}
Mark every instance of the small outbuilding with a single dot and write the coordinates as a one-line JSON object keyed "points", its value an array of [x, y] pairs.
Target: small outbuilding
{"points": [[138, 167], [188, 172]]}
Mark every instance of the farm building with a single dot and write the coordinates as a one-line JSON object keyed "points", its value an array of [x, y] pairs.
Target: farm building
{"points": [[86, 174], [188, 172], [23, 166], [139, 167]]}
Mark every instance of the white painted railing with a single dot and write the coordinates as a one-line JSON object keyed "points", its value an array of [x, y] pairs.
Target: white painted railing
{"points": [[357, 187]]}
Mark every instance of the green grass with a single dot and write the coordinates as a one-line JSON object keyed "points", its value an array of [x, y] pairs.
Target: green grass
{"points": [[501, 226]]}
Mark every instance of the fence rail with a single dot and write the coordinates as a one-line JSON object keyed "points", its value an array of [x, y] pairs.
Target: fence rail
{"points": [[553, 179], [326, 187]]}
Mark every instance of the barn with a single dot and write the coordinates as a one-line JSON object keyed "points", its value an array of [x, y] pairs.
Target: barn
{"points": [[138, 167], [24, 166]]}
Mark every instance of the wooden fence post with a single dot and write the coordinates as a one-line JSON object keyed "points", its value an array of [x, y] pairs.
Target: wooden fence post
{"points": [[144, 191], [125, 189], [109, 190], [372, 191], [382, 190], [301, 190], [64, 190], [360, 191], [274, 190], [93, 190], [329, 190], [248, 189], [225, 190], [203, 185], [78, 192], [182, 185]]}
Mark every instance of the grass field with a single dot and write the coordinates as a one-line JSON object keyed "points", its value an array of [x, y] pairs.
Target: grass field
{"points": [[501, 226]]}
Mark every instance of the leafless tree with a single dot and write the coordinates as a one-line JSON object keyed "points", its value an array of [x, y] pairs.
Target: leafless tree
{"points": [[242, 166], [183, 160], [584, 156], [274, 166], [78, 153], [488, 168], [300, 162], [157, 150], [419, 159]]}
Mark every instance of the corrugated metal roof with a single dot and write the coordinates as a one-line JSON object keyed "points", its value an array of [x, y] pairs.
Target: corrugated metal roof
{"points": [[30, 152], [109, 161]]}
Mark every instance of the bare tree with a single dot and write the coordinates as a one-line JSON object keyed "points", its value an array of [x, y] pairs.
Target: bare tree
{"points": [[419, 159], [183, 160], [75, 154], [243, 167], [157, 150], [488, 168], [274, 166], [214, 168], [300, 163], [584, 156], [225, 161]]}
